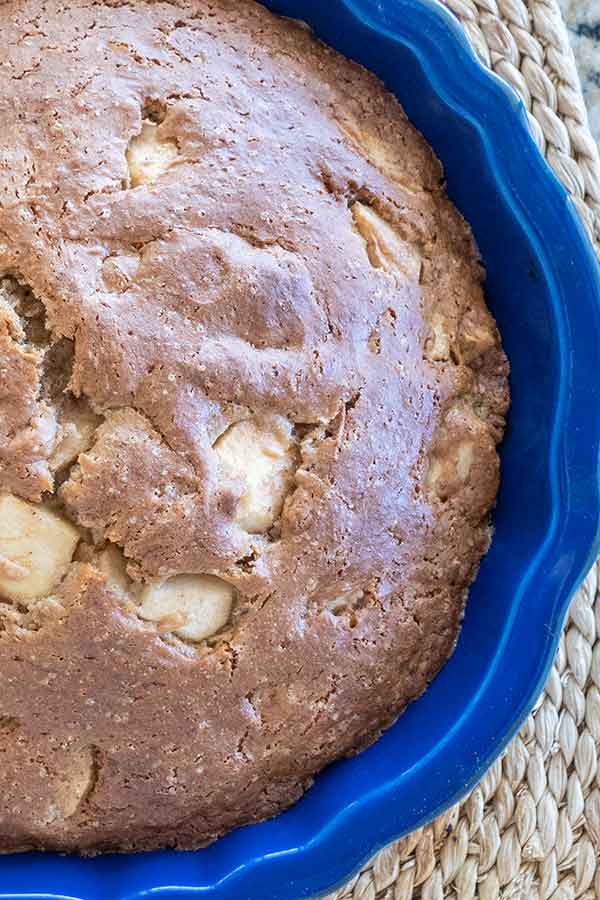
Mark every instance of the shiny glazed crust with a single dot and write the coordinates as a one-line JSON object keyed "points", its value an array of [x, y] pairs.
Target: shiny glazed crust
{"points": [[250, 396]]}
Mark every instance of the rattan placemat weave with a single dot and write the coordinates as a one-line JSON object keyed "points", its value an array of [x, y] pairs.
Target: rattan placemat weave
{"points": [[531, 829]]}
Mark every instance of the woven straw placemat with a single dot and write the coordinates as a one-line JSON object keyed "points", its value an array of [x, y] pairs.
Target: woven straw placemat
{"points": [[531, 829]]}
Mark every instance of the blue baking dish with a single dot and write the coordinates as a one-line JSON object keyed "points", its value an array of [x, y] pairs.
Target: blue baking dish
{"points": [[543, 286]]}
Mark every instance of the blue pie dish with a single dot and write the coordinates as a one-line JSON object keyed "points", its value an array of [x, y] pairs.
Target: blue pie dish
{"points": [[543, 286]]}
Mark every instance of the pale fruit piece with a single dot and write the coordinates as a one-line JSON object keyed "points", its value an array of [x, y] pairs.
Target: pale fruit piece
{"points": [[147, 156], [380, 154], [477, 336], [446, 473], [73, 785], [9, 320], [262, 453], [437, 346], [119, 271], [112, 564], [36, 547], [464, 460], [345, 601], [192, 606], [77, 426], [385, 248]]}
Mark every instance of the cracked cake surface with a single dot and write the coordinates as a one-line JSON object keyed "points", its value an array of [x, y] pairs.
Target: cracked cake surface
{"points": [[250, 398]]}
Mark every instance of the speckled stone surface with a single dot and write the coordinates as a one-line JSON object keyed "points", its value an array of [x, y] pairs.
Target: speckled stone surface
{"points": [[583, 21]]}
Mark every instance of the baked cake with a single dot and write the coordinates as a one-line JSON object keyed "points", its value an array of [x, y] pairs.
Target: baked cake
{"points": [[250, 397]]}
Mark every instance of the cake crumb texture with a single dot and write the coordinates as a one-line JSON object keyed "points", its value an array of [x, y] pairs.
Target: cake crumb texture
{"points": [[250, 398]]}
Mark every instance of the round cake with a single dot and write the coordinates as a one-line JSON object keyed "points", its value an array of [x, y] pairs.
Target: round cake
{"points": [[250, 397]]}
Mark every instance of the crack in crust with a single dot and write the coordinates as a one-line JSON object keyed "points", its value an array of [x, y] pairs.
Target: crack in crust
{"points": [[44, 427]]}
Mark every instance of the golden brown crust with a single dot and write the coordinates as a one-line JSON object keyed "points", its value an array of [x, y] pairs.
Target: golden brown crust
{"points": [[225, 223]]}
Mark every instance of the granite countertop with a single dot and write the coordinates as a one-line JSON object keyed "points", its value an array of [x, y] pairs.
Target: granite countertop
{"points": [[583, 22]]}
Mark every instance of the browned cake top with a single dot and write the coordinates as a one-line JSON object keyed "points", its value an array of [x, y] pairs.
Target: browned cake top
{"points": [[249, 400]]}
